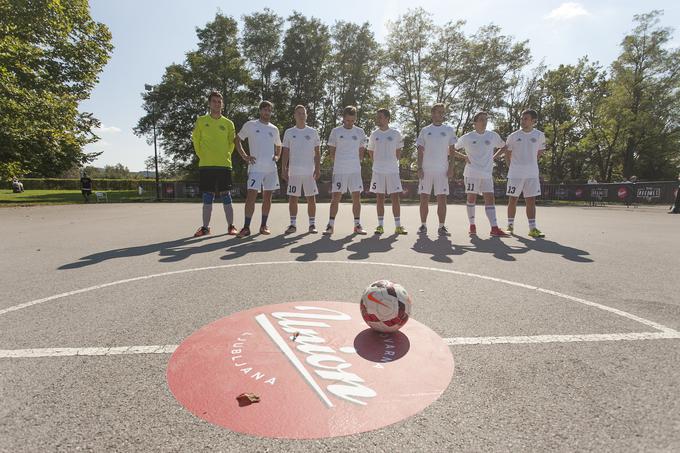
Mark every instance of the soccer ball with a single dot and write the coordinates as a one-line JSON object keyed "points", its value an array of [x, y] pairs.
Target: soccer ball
{"points": [[385, 306]]}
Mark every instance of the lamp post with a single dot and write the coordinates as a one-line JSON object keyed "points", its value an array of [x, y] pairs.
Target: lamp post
{"points": [[150, 89]]}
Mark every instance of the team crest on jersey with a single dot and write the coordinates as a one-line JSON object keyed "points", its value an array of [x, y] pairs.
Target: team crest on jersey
{"points": [[429, 133], [257, 130], [487, 142], [354, 137], [223, 128], [389, 139], [533, 139], [474, 142], [271, 134], [294, 136], [207, 124], [377, 138], [308, 137], [342, 136], [442, 133], [519, 139]]}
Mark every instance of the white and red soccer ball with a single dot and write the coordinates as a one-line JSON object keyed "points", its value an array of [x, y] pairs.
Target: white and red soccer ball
{"points": [[385, 306]]}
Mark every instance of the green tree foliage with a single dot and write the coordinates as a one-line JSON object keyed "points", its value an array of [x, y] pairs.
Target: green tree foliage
{"points": [[51, 53], [602, 122]]}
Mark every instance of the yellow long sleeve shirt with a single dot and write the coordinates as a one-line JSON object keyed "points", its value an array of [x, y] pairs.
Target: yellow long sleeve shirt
{"points": [[213, 141]]}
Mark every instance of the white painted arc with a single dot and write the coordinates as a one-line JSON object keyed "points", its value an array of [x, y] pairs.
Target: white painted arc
{"points": [[618, 312], [456, 341]]}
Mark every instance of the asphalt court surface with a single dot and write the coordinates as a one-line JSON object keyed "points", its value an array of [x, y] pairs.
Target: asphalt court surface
{"points": [[563, 372]]}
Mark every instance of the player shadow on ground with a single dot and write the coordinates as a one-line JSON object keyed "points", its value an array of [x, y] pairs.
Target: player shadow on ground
{"points": [[161, 247], [381, 347], [546, 246], [495, 246], [270, 244], [325, 244], [372, 244], [441, 249]]}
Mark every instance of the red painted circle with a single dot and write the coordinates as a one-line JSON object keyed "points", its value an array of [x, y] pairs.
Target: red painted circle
{"points": [[622, 192], [336, 378]]}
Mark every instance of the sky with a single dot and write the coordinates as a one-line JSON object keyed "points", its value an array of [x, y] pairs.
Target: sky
{"points": [[149, 35]]}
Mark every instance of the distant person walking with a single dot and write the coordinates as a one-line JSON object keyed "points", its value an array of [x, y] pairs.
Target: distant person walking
{"points": [[86, 187]]}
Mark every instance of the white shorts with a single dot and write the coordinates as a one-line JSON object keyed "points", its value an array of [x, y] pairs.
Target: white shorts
{"points": [[262, 181], [297, 183], [350, 182], [531, 187], [434, 180], [388, 183], [478, 185]]}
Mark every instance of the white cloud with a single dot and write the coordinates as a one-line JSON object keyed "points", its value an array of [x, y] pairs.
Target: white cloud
{"points": [[107, 130], [568, 10]]}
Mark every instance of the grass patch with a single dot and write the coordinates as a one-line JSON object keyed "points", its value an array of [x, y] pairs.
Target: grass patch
{"points": [[53, 197]]}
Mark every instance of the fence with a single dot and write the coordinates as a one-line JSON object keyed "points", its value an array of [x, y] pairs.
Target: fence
{"points": [[655, 192]]}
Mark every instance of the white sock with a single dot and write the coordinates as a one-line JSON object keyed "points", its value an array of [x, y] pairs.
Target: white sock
{"points": [[511, 221], [311, 221], [491, 215], [293, 220], [471, 213], [532, 224], [441, 224], [331, 222], [381, 220], [356, 221], [397, 221]]}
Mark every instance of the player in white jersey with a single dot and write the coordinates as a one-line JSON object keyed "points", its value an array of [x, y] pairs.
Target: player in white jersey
{"points": [[523, 148], [301, 166], [481, 148], [384, 147], [346, 145], [435, 145], [264, 144]]}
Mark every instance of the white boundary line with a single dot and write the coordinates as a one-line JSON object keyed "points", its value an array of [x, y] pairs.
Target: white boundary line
{"points": [[665, 332], [457, 341]]}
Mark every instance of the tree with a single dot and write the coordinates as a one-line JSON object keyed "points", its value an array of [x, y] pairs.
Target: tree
{"points": [[406, 54], [306, 47], [45, 71], [645, 83], [183, 92], [261, 44]]}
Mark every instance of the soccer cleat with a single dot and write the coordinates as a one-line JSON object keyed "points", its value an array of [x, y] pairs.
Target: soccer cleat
{"points": [[312, 229], [422, 229], [202, 231], [232, 231], [290, 230], [359, 230], [400, 230], [379, 229], [265, 230], [498, 233], [443, 231], [510, 228], [245, 231], [536, 233], [473, 230], [329, 230]]}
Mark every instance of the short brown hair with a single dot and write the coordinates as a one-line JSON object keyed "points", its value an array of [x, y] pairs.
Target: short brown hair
{"points": [[385, 112], [532, 112], [350, 110], [213, 94], [299, 106], [438, 105], [264, 104], [478, 114]]}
